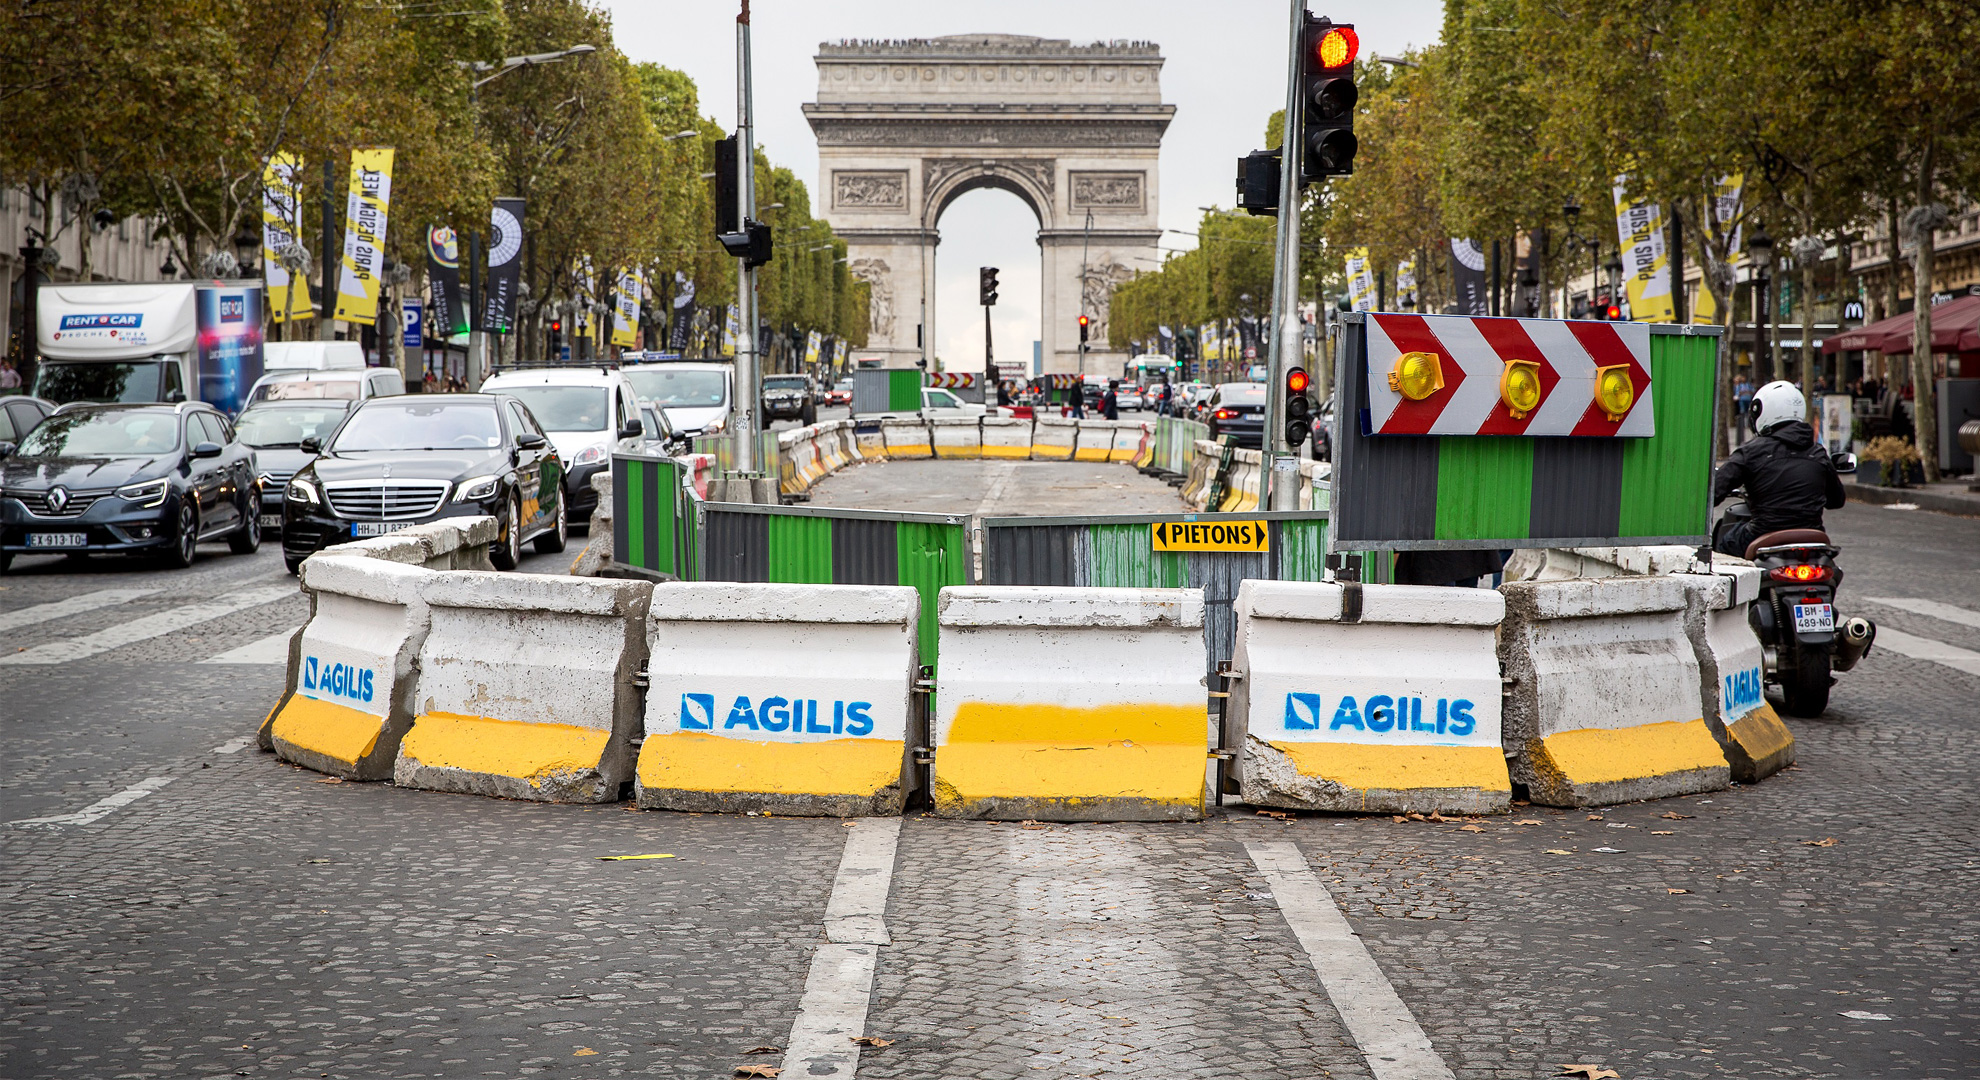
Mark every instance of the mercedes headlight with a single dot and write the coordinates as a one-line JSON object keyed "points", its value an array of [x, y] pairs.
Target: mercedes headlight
{"points": [[302, 490], [477, 489], [147, 494]]}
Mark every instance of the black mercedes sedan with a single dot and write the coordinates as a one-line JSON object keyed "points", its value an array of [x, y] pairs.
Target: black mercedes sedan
{"points": [[408, 460], [129, 479], [276, 430]]}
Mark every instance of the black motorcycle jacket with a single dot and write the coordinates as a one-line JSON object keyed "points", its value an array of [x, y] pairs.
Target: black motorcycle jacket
{"points": [[1788, 477]]}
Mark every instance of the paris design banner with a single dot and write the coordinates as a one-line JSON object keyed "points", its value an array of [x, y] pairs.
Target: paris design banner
{"points": [[627, 292], [1468, 277], [446, 313], [281, 230], [505, 225], [1361, 281], [1646, 265], [364, 235]]}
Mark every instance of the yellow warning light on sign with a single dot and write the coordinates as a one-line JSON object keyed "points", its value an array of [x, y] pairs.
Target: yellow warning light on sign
{"points": [[1615, 391], [1210, 536], [1417, 375], [1519, 387]]}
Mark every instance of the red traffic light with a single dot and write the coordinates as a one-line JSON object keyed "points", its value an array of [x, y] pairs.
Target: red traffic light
{"points": [[1297, 381], [1084, 321], [1337, 47], [556, 325], [1615, 313]]}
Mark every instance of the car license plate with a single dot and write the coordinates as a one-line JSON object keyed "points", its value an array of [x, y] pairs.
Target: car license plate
{"points": [[58, 540], [362, 529], [1814, 618], [271, 521]]}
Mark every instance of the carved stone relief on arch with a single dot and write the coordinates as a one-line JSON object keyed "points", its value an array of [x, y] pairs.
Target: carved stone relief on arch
{"points": [[880, 296]]}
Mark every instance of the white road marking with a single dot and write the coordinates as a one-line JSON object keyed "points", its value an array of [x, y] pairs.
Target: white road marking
{"points": [[1919, 648], [148, 627], [273, 649], [74, 605], [102, 807], [234, 745], [1933, 608], [1005, 471], [832, 1012], [1375, 1015]]}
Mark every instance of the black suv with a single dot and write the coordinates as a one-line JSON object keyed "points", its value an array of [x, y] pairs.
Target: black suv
{"points": [[129, 479], [408, 460], [790, 397], [1238, 410]]}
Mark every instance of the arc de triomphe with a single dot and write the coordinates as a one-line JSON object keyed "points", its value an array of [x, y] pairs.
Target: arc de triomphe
{"points": [[904, 127]]}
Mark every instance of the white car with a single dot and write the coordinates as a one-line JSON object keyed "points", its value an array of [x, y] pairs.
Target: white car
{"points": [[1128, 397], [698, 396], [589, 413], [321, 370]]}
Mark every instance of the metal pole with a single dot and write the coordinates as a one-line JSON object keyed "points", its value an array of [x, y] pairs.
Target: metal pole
{"points": [[477, 337], [1280, 479], [989, 359], [746, 394], [325, 325]]}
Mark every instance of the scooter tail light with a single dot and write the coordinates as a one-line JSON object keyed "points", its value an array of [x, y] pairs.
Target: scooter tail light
{"points": [[1799, 573]]}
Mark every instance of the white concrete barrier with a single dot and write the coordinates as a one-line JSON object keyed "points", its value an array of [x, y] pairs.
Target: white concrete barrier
{"points": [[1396, 712], [1054, 438], [957, 436], [1604, 703], [350, 700], [794, 699], [907, 438], [1241, 485], [1756, 742], [1070, 704], [1096, 440], [448, 544], [872, 443], [526, 687], [1006, 437], [1203, 460]]}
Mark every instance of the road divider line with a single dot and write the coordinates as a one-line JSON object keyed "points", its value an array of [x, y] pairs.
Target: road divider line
{"points": [[148, 627], [1933, 608], [1922, 648], [234, 745], [1004, 472], [74, 605], [102, 807], [1382, 1026], [832, 1012], [273, 649]]}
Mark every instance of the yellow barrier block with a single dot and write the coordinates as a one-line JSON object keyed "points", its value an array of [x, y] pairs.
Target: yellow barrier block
{"points": [[910, 450], [534, 753], [1067, 763], [1367, 767], [1758, 745], [1007, 452], [1583, 760], [1092, 453], [692, 761], [340, 735], [961, 453]]}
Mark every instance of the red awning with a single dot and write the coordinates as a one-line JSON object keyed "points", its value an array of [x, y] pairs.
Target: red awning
{"points": [[1892, 336]]}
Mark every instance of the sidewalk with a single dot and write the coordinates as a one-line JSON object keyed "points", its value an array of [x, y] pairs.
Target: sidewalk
{"points": [[1950, 497]]}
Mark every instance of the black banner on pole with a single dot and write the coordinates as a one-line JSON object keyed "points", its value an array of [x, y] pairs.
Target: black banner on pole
{"points": [[1468, 277], [498, 315], [445, 313], [677, 336]]}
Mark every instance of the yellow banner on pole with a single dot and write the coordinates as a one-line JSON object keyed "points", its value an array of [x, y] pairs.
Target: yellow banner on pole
{"points": [[627, 291], [281, 234], [364, 235], [1640, 232], [1361, 281]]}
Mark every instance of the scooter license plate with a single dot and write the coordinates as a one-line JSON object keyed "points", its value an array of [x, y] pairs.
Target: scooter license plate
{"points": [[1814, 618]]}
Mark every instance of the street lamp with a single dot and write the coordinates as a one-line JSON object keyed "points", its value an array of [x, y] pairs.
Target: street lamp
{"points": [[245, 245], [1760, 250], [510, 63], [688, 134]]}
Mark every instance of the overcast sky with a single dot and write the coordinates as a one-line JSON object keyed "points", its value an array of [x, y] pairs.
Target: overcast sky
{"points": [[1225, 73]]}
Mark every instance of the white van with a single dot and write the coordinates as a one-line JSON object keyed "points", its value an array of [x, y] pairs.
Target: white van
{"points": [[305, 370], [590, 413], [698, 396]]}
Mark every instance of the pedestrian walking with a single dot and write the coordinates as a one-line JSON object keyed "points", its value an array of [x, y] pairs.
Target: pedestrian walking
{"points": [[1110, 401], [10, 379]]}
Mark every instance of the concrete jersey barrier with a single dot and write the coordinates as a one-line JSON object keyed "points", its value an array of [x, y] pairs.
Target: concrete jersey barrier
{"points": [[1756, 742], [448, 544], [794, 699], [1071, 704], [1397, 711], [526, 687], [958, 437], [1604, 703], [351, 696]]}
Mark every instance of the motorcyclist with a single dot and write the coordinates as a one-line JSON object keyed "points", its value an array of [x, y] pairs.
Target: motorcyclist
{"points": [[1788, 476]]}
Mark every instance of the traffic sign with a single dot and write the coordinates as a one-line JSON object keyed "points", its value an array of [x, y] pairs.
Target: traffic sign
{"points": [[413, 312], [1211, 536]]}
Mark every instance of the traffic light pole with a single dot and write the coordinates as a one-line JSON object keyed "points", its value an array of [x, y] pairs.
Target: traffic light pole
{"points": [[747, 395], [1281, 476]]}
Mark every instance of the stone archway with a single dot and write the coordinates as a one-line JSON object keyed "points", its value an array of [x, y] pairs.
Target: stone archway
{"points": [[904, 127]]}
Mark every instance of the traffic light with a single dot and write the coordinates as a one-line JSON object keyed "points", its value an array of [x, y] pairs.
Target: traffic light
{"points": [[1327, 141], [1085, 324], [987, 286], [746, 240], [1299, 410], [1258, 183]]}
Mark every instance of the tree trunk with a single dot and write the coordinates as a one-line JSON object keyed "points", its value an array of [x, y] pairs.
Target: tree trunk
{"points": [[1841, 377], [1807, 305], [1891, 269], [1923, 375]]}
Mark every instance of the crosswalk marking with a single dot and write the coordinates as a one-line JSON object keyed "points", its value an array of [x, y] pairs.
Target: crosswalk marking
{"points": [[1920, 648], [101, 807], [273, 649], [74, 605], [832, 1012], [150, 626], [1933, 608]]}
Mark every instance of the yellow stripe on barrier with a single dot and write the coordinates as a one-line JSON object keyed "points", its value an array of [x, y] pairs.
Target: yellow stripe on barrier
{"points": [[1093, 453], [1758, 745], [1607, 755], [1368, 767], [690, 760], [337, 732], [1066, 758], [990, 451], [959, 453], [480, 744]]}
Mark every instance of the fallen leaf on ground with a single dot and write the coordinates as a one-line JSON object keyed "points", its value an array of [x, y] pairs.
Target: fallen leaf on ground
{"points": [[1435, 816], [1662, 832], [1594, 817], [868, 1040], [1591, 1072], [848, 824], [1558, 851], [1399, 819], [1527, 821], [1674, 892], [1860, 1014], [626, 858], [1034, 828], [331, 780], [1471, 828], [1674, 815], [585, 1051], [1827, 841], [1280, 814], [758, 1070], [762, 1050]]}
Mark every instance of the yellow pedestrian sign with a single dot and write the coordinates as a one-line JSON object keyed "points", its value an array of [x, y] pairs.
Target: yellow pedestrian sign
{"points": [[1210, 536]]}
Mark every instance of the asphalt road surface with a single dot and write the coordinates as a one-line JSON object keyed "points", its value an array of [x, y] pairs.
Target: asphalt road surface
{"points": [[187, 906]]}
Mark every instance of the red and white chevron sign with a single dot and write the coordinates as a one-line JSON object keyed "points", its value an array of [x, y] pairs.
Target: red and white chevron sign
{"points": [[1488, 369], [952, 380]]}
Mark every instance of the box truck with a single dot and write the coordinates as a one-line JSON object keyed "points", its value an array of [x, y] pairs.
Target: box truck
{"points": [[163, 341]]}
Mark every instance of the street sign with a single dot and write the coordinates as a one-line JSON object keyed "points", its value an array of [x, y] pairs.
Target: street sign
{"points": [[1210, 535], [413, 312]]}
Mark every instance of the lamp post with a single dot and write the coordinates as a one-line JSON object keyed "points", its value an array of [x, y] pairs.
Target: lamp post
{"points": [[1614, 269], [1760, 251], [245, 245]]}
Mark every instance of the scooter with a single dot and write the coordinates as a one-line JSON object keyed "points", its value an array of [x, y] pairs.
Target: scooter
{"points": [[1795, 614]]}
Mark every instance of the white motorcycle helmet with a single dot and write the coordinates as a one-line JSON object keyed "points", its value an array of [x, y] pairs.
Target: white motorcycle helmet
{"points": [[1774, 404]]}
